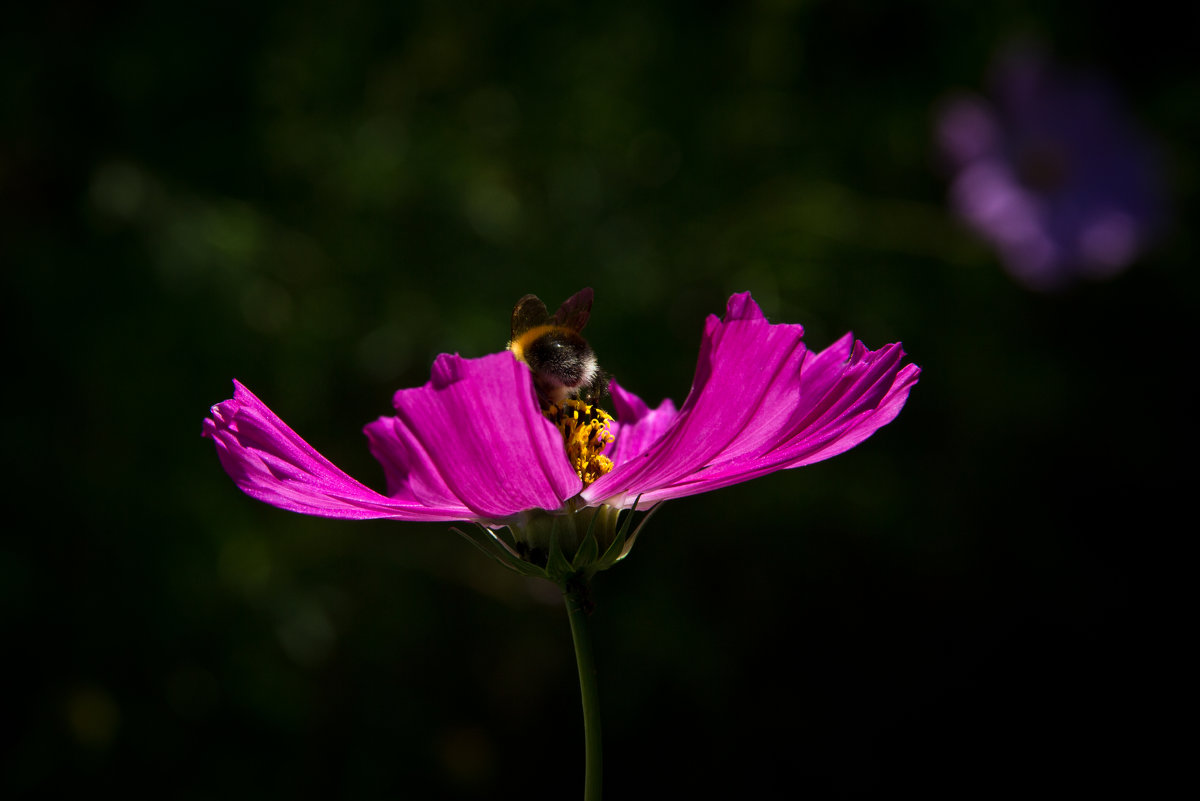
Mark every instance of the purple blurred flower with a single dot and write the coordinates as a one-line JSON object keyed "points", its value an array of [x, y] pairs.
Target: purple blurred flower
{"points": [[1052, 172], [474, 445]]}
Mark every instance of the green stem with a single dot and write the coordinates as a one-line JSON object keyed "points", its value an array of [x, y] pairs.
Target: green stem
{"points": [[578, 601]]}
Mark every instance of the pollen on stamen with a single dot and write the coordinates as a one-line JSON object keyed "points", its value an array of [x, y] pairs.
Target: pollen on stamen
{"points": [[585, 434]]}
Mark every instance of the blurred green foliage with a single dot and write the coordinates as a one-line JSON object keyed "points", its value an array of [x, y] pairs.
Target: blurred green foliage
{"points": [[317, 199]]}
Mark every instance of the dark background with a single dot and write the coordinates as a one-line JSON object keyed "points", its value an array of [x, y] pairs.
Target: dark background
{"points": [[319, 201]]}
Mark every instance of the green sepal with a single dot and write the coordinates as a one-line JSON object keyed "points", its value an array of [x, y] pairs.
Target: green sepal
{"points": [[613, 552], [589, 549], [556, 538], [486, 549], [558, 569], [490, 543], [616, 549], [628, 546]]}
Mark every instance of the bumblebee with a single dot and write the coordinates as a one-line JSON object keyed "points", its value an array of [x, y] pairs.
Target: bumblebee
{"points": [[561, 360]]}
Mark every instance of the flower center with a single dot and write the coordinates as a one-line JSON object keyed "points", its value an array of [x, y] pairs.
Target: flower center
{"points": [[585, 433]]}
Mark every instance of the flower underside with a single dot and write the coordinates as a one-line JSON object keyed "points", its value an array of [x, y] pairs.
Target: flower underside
{"points": [[585, 432], [578, 543]]}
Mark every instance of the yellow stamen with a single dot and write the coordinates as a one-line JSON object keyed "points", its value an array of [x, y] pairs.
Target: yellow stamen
{"points": [[585, 433]]}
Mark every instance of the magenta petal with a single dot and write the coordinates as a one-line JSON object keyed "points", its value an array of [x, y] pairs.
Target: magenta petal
{"points": [[270, 462], [870, 395], [742, 386], [637, 426], [761, 402], [473, 444], [474, 434]]}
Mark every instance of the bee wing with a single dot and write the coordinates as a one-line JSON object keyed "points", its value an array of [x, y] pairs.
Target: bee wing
{"points": [[529, 312], [575, 310]]}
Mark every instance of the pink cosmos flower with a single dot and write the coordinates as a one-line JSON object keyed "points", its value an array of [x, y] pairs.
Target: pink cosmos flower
{"points": [[474, 445]]}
